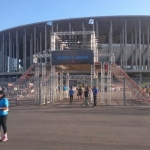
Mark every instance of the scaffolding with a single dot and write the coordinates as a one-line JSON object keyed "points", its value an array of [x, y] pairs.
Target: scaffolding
{"points": [[53, 86], [106, 78], [48, 79]]}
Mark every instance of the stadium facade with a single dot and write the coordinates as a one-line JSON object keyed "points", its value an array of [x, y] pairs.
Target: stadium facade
{"points": [[127, 37]]}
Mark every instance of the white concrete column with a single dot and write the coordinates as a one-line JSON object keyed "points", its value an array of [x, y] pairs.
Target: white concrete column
{"points": [[13, 52], [45, 43], [34, 40], [31, 50], [121, 47], [24, 51], [17, 51], [148, 50], [123, 50], [136, 53], [110, 38], [40, 46], [69, 30], [1, 49], [143, 49], [125, 29], [132, 48], [3, 54], [84, 36], [97, 30], [140, 51], [10, 53], [6, 57]]}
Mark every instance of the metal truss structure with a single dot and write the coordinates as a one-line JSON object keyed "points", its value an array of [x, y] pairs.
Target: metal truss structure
{"points": [[109, 90], [136, 90], [73, 77], [106, 78], [47, 83], [24, 49], [41, 55], [102, 82], [21, 85], [106, 82], [56, 78], [47, 80], [73, 33]]}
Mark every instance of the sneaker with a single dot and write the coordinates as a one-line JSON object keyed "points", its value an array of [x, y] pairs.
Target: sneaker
{"points": [[4, 139]]}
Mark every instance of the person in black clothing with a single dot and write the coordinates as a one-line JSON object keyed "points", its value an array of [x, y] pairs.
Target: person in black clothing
{"points": [[80, 92], [86, 95]]}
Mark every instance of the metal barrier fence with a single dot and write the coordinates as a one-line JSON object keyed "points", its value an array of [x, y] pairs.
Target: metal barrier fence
{"points": [[40, 92]]}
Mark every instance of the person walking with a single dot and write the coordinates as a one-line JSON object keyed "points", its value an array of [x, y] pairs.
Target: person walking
{"points": [[86, 96], [80, 91], [4, 104], [95, 91], [71, 92]]}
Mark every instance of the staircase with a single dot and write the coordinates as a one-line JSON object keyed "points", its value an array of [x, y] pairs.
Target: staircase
{"points": [[29, 89], [26, 89], [136, 90], [21, 83]]}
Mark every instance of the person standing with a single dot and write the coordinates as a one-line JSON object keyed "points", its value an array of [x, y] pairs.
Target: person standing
{"points": [[91, 94], [71, 92], [77, 93], [65, 91], [4, 104], [95, 91]]}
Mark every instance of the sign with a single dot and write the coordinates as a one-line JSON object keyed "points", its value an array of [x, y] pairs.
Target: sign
{"points": [[34, 59], [72, 57], [10, 84], [72, 83]]}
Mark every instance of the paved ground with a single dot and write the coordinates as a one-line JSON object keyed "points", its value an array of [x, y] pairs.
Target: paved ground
{"points": [[62, 126]]}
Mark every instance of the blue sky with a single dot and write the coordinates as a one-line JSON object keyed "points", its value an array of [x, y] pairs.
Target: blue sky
{"points": [[19, 12]]}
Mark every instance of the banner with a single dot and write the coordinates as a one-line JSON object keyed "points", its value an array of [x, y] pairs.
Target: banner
{"points": [[72, 57]]}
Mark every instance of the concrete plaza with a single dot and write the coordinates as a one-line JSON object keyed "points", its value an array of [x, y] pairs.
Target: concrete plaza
{"points": [[62, 126]]}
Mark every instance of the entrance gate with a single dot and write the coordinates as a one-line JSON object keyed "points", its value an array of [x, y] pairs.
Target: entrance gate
{"points": [[48, 83]]}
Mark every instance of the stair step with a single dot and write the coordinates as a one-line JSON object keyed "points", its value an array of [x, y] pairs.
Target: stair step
{"points": [[136, 89]]}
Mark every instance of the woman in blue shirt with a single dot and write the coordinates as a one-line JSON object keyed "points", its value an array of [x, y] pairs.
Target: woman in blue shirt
{"points": [[4, 104]]}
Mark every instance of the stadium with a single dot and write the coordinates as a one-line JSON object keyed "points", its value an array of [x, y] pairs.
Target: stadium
{"points": [[125, 37]]}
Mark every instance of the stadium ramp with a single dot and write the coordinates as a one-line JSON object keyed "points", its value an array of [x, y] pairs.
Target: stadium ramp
{"points": [[136, 90]]}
